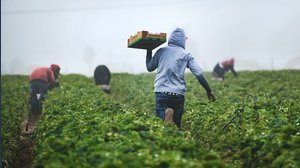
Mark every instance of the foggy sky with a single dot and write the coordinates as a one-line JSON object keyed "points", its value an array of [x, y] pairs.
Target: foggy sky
{"points": [[81, 34]]}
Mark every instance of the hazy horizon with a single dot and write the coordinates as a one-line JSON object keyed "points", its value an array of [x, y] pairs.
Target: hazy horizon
{"points": [[80, 35]]}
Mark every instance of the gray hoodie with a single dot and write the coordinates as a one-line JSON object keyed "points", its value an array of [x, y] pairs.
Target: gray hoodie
{"points": [[171, 62]]}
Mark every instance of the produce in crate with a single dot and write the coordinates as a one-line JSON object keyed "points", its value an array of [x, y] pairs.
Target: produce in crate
{"points": [[146, 40]]}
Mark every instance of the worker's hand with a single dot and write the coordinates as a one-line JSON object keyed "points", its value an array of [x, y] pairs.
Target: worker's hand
{"points": [[211, 96]]}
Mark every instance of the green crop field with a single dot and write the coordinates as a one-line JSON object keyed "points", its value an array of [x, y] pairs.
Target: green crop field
{"points": [[255, 122]]}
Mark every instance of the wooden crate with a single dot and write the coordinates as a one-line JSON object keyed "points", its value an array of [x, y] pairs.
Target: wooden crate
{"points": [[146, 40]]}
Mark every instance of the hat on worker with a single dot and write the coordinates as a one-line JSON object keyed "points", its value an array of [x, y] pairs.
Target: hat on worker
{"points": [[55, 67]]}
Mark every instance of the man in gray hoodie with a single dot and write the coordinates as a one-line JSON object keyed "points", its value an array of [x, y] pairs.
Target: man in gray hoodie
{"points": [[169, 84]]}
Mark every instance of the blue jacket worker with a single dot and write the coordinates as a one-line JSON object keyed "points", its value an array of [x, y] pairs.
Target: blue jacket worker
{"points": [[169, 85]]}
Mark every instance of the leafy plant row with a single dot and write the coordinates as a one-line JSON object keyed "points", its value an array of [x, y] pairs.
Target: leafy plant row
{"points": [[83, 127], [265, 131], [14, 107], [254, 122]]}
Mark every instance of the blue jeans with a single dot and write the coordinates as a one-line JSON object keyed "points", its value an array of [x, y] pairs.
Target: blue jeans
{"points": [[37, 87], [176, 102], [218, 72]]}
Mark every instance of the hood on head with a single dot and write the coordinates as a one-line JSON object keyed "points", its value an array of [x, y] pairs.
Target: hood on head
{"points": [[177, 37]]}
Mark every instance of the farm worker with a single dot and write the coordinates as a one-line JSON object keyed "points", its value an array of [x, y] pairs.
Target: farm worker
{"points": [[102, 78], [169, 85], [222, 67], [41, 79]]}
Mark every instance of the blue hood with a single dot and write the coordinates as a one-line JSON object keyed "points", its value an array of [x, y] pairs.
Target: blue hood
{"points": [[177, 38]]}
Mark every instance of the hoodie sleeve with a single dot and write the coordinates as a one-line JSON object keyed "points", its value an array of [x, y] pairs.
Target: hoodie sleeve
{"points": [[51, 77], [233, 71], [197, 71], [152, 62]]}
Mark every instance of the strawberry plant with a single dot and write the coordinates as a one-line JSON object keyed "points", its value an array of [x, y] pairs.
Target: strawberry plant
{"points": [[245, 124], [14, 108], [83, 127], [254, 123]]}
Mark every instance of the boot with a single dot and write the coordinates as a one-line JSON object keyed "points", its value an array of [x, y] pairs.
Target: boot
{"points": [[169, 115], [30, 127], [27, 127], [31, 122]]}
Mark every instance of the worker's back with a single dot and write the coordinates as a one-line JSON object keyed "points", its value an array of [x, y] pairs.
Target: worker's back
{"points": [[102, 75]]}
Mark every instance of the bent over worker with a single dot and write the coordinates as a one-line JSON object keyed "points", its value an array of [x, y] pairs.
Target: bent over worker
{"points": [[102, 78], [169, 84], [41, 79], [222, 67]]}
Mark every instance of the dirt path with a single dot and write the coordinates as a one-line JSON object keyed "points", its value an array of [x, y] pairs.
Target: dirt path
{"points": [[25, 153]]}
